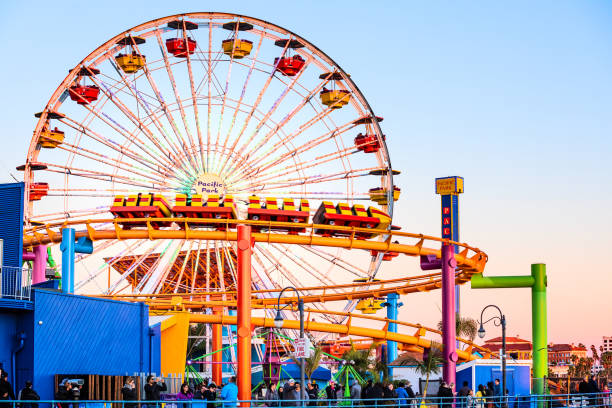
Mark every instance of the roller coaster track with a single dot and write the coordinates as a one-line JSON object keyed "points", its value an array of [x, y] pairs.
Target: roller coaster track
{"points": [[349, 291], [469, 259], [348, 329]]}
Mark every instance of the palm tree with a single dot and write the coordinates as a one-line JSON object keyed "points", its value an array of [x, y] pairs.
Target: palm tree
{"points": [[465, 327], [429, 364], [364, 364]]}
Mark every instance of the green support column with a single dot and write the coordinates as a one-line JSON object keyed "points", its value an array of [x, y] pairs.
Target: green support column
{"points": [[538, 328], [537, 282]]}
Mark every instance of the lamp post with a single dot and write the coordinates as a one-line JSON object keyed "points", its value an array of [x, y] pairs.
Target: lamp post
{"points": [[497, 320], [278, 323]]}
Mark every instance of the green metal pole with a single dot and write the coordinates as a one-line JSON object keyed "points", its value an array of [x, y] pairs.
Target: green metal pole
{"points": [[537, 282], [538, 328]]}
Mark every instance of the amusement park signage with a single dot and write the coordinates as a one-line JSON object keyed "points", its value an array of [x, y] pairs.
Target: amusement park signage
{"points": [[208, 183]]}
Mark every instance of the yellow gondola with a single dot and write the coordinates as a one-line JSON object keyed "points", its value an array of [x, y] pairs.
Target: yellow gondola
{"points": [[50, 139], [335, 98], [239, 48], [131, 63]]}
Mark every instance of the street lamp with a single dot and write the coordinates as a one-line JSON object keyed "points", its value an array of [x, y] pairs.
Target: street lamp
{"points": [[278, 323], [497, 320]]}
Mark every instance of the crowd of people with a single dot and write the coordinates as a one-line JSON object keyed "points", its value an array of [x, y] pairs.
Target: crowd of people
{"points": [[588, 393], [289, 394]]}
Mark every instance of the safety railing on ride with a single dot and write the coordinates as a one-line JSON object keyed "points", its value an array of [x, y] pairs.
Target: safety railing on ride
{"points": [[15, 283], [600, 400]]}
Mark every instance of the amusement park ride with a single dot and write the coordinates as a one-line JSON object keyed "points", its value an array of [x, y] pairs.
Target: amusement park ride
{"points": [[269, 150]]}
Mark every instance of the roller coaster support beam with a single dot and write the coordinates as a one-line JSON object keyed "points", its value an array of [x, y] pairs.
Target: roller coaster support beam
{"points": [[392, 305], [69, 247], [448, 314], [537, 281], [217, 345], [39, 258], [244, 312]]}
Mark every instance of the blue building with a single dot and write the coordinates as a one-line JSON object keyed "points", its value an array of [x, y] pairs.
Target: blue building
{"points": [[482, 371], [68, 334]]}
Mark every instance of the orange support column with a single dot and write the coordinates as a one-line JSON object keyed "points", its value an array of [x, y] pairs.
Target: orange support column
{"points": [[244, 313], [217, 345]]}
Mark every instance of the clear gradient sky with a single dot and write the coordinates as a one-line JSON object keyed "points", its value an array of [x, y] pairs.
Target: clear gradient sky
{"points": [[516, 97]]}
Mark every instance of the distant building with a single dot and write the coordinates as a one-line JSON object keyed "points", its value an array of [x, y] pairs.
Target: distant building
{"points": [[561, 354], [516, 348], [607, 343]]}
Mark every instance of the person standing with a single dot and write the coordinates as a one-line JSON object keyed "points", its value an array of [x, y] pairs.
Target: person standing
{"points": [[411, 394], [6, 389], [296, 395], [463, 393], [153, 388], [229, 394], [355, 392], [365, 392], [402, 395], [390, 395], [129, 392], [313, 395], [271, 397], [211, 395], [28, 394], [331, 392], [497, 393], [288, 394], [445, 393], [480, 396], [184, 394], [200, 392]]}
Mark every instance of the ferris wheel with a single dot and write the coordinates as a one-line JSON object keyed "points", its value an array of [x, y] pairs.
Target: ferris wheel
{"points": [[208, 106]]}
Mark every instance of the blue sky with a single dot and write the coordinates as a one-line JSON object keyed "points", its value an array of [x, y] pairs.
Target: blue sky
{"points": [[514, 96]]}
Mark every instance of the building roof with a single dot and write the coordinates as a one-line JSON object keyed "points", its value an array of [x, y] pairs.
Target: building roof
{"points": [[509, 340], [565, 347], [510, 347]]}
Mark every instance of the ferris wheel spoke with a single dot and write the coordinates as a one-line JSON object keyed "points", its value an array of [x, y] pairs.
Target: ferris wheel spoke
{"points": [[130, 138], [183, 265], [264, 119], [101, 176], [137, 261], [178, 101], [135, 120], [313, 180], [91, 276], [302, 166], [276, 129], [303, 264], [164, 107], [131, 86], [339, 262], [239, 103], [253, 108], [203, 161], [284, 141], [115, 146], [99, 158]]}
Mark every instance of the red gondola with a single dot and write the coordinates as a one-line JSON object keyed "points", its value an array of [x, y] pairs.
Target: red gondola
{"points": [[38, 191], [84, 94], [367, 143], [178, 48], [289, 66]]}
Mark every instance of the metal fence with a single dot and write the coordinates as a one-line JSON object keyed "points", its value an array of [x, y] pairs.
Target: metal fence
{"points": [[602, 400], [15, 283]]}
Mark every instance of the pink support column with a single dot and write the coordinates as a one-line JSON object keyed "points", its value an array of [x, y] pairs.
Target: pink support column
{"points": [[448, 313], [40, 264]]}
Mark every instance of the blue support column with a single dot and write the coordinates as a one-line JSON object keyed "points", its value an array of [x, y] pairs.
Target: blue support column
{"points": [[392, 305], [68, 248]]}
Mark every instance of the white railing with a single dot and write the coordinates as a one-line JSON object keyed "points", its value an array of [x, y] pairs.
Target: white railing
{"points": [[15, 283]]}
